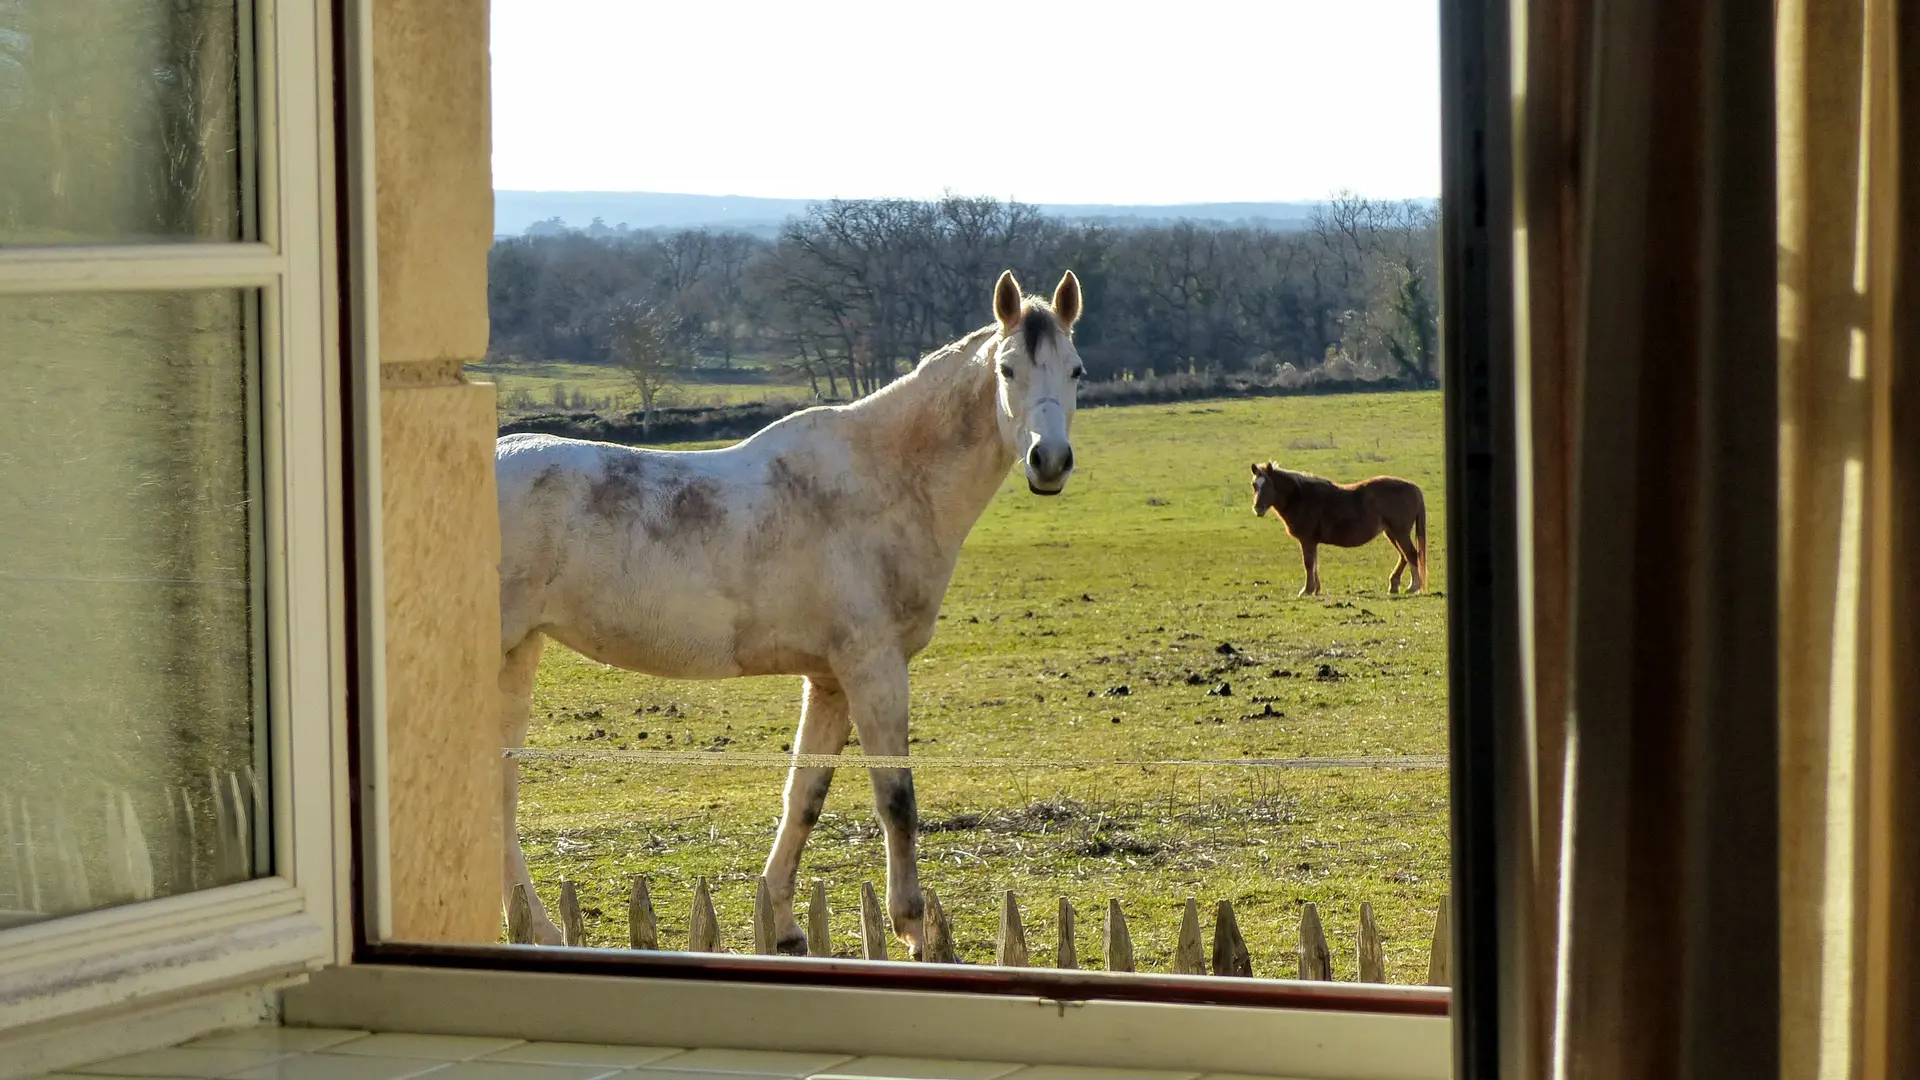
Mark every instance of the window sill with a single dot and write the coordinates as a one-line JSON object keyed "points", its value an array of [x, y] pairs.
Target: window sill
{"points": [[221, 938], [1292, 1042]]}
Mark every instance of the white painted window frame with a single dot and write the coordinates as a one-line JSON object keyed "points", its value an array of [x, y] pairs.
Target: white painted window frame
{"points": [[474, 997], [200, 947], [264, 931]]}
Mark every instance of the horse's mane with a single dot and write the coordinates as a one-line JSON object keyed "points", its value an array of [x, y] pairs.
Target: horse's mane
{"points": [[1304, 479], [952, 366], [954, 369], [939, 374], [951, 359]]}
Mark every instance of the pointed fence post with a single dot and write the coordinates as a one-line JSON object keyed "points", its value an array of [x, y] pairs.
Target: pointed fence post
{"points": [[256, 807], [1372, 957], [939, 943], [242, 834], [520, 917], [873, 930], [763, 935], [1439, 960], [67, 861], [129, 864], [222, 827], [703, 926], [1230, 956], [186, 843], [1119, 943], [1187, 956], [1316, 963], [1067, 956], [17, 900], [26, 885], [643, 929], [35, 900], [819, 928], [1011, 951], [573, 929], [230, 855]]}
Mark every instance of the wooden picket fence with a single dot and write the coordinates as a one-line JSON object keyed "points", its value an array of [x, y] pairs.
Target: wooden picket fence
{"points": [[45, 869], [1229, 953]]}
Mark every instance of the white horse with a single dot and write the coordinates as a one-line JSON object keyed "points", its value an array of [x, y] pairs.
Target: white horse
{"points": [[820, 547]]}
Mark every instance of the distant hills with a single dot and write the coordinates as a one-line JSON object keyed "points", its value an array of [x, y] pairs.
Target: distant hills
{"points": [[514, 211]]}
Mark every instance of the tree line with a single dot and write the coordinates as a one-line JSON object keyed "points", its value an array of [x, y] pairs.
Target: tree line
{"points": [[854, 292]]}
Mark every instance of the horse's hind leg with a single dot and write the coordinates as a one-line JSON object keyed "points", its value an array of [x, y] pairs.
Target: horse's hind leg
{"points": [[1310, 555], [1399, 567], [517, 669], [1401, 537], [877, 697], [823, 730]]}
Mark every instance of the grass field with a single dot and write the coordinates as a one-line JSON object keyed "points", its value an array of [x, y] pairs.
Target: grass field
{"points": [[1091, 626], [531, 386]]}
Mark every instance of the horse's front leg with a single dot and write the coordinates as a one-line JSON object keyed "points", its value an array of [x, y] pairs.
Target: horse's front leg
{"points": [[541, 923], [823, 730], [878, 701], [517, 670], [1310, 555]]}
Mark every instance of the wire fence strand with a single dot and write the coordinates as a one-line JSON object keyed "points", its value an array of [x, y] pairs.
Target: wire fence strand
{"points": [[770, 760]]}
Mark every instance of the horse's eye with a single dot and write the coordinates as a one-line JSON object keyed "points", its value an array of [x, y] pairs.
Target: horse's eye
{"points": [[1006, 371], [1077, 372]]}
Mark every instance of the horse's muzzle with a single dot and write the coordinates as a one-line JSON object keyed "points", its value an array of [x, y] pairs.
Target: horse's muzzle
{"points": [[1048, 467]]}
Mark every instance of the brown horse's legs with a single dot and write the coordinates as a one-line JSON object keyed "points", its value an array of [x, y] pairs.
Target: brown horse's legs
{"points": [[1402, 541], [824, 727], [1310, 554]]}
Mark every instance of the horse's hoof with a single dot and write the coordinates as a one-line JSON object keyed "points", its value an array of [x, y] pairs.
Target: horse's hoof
{"points": [[792, 946], [548, 935]]}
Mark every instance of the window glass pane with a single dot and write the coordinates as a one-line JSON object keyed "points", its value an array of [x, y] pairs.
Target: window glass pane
{"points": [[121, 120], [128, 599]]}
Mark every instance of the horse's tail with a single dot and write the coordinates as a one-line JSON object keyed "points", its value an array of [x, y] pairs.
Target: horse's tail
{"points": [[1420, 539]]}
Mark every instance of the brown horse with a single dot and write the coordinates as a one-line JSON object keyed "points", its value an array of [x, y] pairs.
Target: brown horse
{"points": [[1319, 511]]}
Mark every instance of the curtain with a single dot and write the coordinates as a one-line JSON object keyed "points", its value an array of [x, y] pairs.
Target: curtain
{"points": [[1720, 496], [1555, 39], [1892, 1029]]}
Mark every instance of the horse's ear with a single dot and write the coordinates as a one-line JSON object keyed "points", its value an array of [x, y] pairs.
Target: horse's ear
{"points": [[1258, 468], [1006, 302], [1066, 300]]}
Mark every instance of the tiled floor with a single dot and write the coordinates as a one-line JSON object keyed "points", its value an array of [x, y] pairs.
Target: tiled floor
{"points": [[272, 1053]]}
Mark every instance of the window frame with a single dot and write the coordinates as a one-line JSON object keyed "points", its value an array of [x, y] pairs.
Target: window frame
{"points": [[1139, 1020], [1489, 774], [287, 922]]}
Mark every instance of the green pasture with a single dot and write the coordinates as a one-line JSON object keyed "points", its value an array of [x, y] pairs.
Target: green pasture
{"points": [[1145, 615], [543, 386]]}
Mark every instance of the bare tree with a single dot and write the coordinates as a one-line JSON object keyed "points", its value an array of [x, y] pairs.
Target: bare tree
{"points": [[643, 339], [849, 294]]}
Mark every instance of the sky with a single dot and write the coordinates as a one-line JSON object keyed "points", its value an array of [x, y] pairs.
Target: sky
{"points": [[1046, 101]]}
